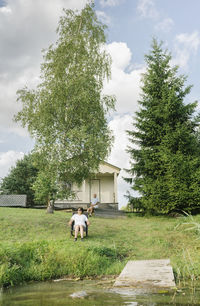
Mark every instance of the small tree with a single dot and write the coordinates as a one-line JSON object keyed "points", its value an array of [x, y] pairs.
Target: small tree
{"points": [[21, 178], [134, 203], [66, 114], [165, 158]]}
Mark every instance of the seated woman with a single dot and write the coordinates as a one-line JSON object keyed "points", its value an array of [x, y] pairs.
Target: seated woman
{"points": [[93, 205], [79, 223]]}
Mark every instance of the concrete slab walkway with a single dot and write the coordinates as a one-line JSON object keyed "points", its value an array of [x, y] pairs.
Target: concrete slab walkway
{"points": [[147, 274], [109, 213]]}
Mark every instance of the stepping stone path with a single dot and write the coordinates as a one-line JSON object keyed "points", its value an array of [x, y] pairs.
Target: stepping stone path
{"points": [[147, 274]]}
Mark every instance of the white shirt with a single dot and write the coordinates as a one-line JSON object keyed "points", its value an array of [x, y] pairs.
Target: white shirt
{"points": [[79, 219], [95, 201]]}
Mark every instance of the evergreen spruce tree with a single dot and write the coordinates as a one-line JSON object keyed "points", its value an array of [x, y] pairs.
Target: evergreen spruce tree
{"points": [[165, 149]]}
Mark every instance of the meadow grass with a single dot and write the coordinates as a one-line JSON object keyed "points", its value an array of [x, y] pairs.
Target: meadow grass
{"points": [[37, 246]]}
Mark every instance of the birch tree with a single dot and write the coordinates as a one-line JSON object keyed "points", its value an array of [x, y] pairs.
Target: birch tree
{"points": [[66, 113]]}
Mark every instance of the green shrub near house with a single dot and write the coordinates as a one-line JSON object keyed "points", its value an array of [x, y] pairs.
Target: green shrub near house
{"points": [[36, 246]]}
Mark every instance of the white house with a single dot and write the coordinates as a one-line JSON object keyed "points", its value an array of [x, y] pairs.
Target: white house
{"points": [[104, 184]]}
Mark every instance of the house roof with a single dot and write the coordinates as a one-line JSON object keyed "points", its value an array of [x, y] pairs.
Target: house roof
{"points": [[111, 165], [106, 167]]}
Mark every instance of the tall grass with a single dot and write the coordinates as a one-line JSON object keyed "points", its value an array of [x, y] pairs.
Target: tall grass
{"points": [[189, 265], [193, 225], [44, 260]]}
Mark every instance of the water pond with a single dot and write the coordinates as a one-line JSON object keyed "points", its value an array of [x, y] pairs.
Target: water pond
{"points": [[89, 292]]}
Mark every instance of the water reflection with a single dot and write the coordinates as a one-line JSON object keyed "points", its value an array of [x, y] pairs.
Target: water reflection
{"points": [[93, 293]]}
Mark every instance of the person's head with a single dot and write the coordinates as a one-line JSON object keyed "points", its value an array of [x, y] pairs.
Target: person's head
{"points": [[80, 210], [94, 195]]}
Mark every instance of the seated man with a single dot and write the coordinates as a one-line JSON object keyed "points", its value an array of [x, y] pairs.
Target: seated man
{"points": [[93, 205]]}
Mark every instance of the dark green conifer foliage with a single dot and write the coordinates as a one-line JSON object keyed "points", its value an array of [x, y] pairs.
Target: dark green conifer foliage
{"points": [[165, 150]]}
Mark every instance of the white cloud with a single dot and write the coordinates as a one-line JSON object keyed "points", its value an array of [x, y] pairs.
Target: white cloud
{"points": [[120, 53], [191, 41], [165, 25], [5, 10], [124, 84], [103, 17], [104, 3], [186, 45], [23, 34], [119, 124], [8, 104], [119, 157], [147, 9], [7, 160]]}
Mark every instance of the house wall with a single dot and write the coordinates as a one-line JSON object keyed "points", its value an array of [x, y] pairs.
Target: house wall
{"points": [[87, 191], [104, 185], [88, 188], [79, 191], [107, 189]]}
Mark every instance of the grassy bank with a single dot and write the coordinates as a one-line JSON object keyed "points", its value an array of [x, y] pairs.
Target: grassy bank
{"points": [[37, 246]]}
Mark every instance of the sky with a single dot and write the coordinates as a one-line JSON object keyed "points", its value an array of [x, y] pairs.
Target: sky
{"points": [[28, 26]]}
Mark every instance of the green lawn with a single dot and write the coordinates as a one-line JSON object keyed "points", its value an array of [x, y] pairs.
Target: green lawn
{"points": [[37, 246]]}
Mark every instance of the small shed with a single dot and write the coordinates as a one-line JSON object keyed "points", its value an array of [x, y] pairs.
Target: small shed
{"points": [[13, 200], [103, 184]]}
